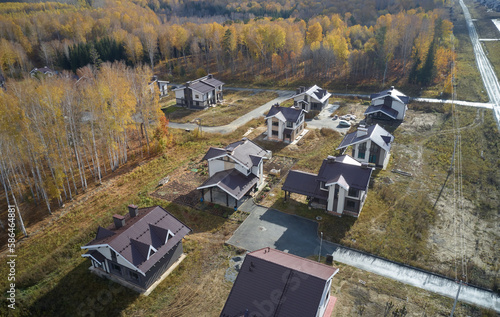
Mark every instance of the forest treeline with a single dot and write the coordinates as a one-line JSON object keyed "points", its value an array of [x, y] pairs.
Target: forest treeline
{"points": [[414, 45], [58, 135]]}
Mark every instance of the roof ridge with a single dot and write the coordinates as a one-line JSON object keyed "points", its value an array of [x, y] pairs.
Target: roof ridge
{"points": [[292, 255]]}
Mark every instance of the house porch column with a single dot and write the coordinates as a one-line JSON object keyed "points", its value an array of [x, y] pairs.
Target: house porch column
{"points": [[341, 201]]}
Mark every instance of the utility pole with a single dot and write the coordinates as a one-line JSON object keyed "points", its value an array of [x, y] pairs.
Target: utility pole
{"points": [[456, 299]]}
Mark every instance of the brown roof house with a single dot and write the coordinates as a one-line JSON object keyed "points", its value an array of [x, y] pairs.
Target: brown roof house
{"points": [[369, 145], [275, 283], [340, 186], [139, 249], [44, 71], [234, 171], [284, 123], [389, 104], [199, 93], [312, 98]]}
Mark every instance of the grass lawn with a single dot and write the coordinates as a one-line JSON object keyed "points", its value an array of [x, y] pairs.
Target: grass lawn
{"points": [[493, 49], [236, 104]]}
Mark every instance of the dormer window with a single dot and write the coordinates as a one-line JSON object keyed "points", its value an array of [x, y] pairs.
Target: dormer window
{"points": [[169, 235], [322, 185], [289, 124], [151, 251]]}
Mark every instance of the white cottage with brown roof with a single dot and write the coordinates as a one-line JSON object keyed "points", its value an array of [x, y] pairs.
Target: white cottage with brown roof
{"points": [[312, 98], [369, 145], [275, 283], [390, 104], [340, 186], [138, 248], [234, 171], [199, 93], [284, 123]]}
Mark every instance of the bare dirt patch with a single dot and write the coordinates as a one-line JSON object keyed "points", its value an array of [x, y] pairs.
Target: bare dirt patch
{"points": [[182, 184]]}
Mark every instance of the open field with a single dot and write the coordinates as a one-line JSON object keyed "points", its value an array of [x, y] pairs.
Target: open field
{"points": [[59, 277], [469, 83], [492, 49], [236, 103]]}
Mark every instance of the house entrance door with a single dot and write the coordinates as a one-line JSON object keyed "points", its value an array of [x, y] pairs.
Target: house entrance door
{"points": [[372, 159]]}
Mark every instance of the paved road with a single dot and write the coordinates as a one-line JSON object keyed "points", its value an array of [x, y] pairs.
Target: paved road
{"points": [[256, 113], [488, 75], [322, 121], [271, 228]]}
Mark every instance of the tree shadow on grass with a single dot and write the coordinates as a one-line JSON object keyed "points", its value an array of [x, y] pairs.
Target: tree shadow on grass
{"points": [[81, 293]]}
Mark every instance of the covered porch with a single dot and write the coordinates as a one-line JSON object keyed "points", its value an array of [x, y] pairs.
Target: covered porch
{"points": [[229, 188]]}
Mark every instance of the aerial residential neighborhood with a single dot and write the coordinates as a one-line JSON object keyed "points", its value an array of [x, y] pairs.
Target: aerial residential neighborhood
{"points": [[249, 159]]}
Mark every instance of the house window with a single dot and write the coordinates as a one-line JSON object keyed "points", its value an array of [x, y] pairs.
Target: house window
{"points": [[116, 267], [134, 276], [276, 123], [197, 96], [289, 124], [362, 151], [353, 192], [350, 204], [322, 186], [275, 133]]}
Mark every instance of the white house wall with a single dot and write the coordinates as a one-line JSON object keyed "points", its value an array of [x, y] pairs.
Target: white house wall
{"points": [[197, 96], [215, 166], [341, 200], [331, 197], [324, 299], [396, 105], [258, 171], [240, 168], [179, 94], [400, 108], [367, 152]]}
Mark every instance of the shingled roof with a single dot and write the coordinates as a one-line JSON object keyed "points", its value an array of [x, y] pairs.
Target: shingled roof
{"points": [[149, 229], [342, 170], [232, 182], [376, 133], [288, 114], [355, 176], [393, 93], [317, 93], [267, 272], [384, 109], [245, 152], [203, 84]]}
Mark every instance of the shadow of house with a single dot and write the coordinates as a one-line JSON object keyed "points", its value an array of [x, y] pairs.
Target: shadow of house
{"points": [[79, 293], [334, 228]]}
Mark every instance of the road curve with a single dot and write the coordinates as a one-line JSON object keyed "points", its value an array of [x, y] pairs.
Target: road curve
{"points": [[488, 75]]}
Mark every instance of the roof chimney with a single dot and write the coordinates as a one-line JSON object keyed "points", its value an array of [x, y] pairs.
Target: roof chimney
{"points": [[392, 87], [362, 130], [302, 88], [133, 210], [119, 221], [297, 91], [210, 76]]}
